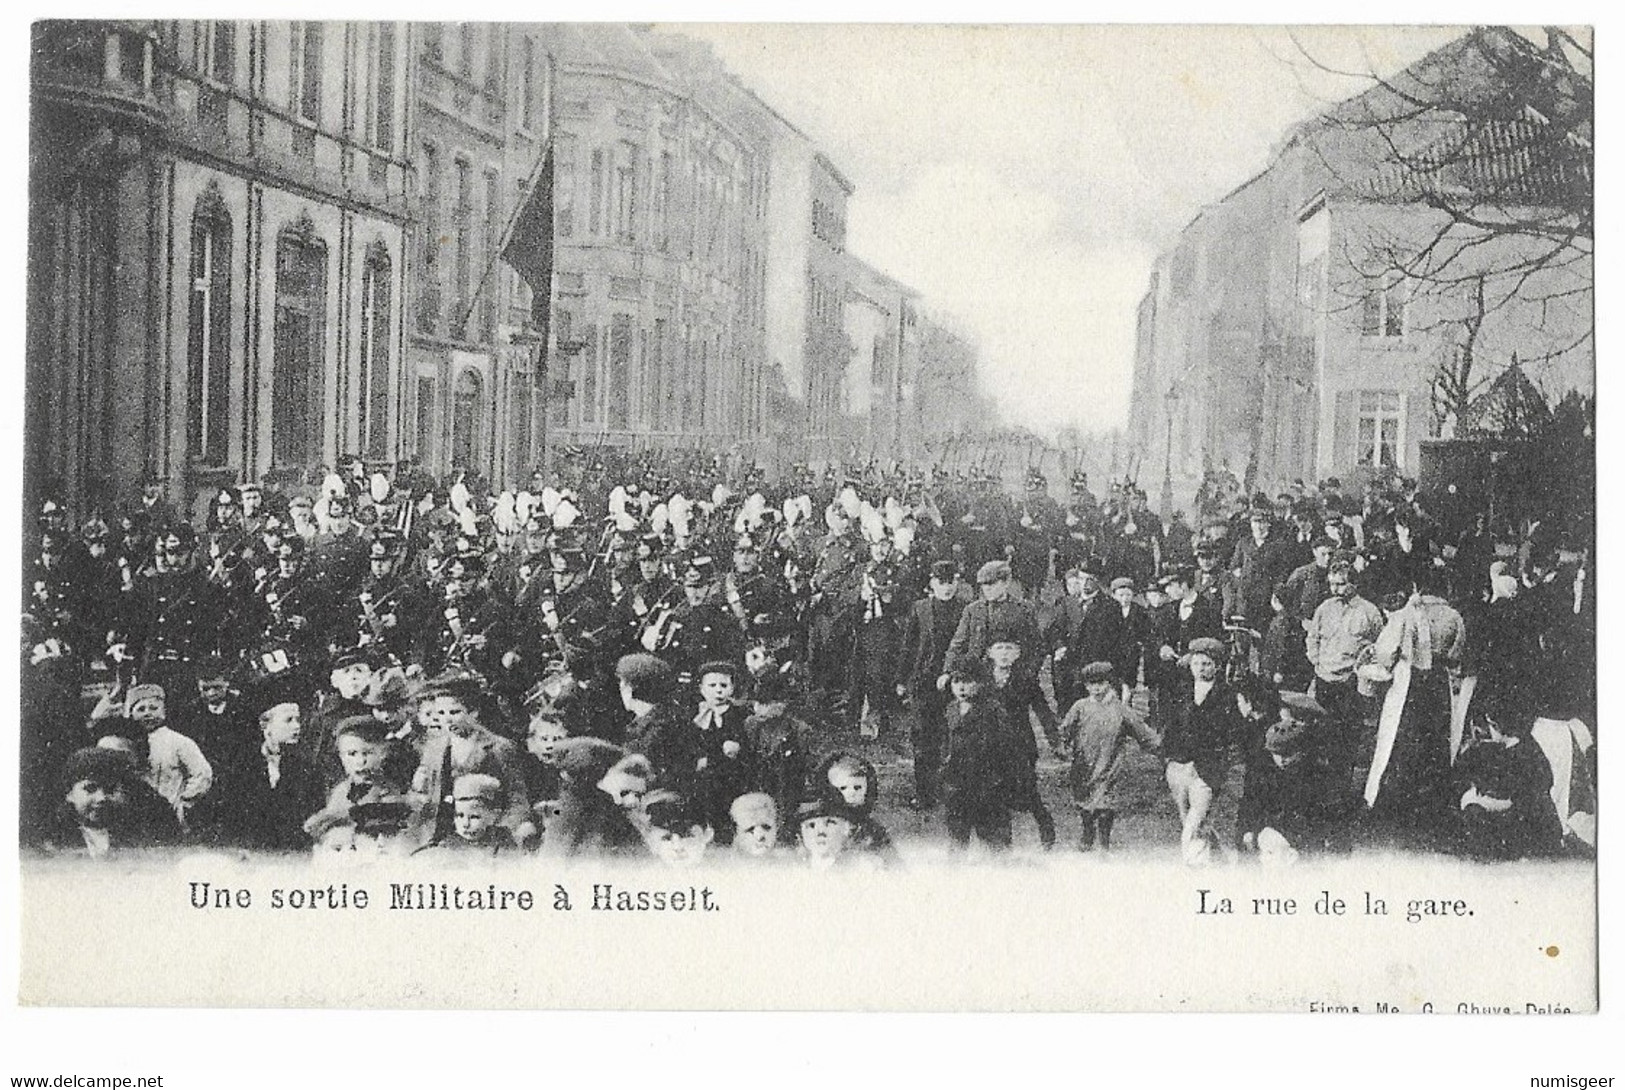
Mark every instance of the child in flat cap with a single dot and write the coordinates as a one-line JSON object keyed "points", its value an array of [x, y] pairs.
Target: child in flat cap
{"points": [[1095, 730]]}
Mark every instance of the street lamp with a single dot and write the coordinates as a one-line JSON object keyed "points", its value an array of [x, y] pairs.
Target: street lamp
{"points": [[1171, 399]]}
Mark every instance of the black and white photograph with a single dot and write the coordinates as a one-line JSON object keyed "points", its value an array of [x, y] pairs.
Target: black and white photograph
{"points": [[1108, 500]]}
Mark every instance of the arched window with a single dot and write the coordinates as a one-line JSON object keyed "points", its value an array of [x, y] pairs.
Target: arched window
{"points": [[374, 354], [296, 375], [468, 406], [208, 350]]}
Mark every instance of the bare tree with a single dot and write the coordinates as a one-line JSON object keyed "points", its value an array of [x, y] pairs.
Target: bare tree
{"points": [[1488, 141]]}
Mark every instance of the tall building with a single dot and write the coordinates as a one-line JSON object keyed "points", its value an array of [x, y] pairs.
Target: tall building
{"points": [[1311, 323], [479, 131], [217, 215], [662, 178], [882, 333]]}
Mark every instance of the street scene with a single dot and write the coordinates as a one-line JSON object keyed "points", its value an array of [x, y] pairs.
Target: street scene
{"points": [[452, 443]]}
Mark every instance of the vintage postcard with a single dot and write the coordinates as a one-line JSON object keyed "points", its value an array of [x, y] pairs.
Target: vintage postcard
{"points": [[809, 517]]}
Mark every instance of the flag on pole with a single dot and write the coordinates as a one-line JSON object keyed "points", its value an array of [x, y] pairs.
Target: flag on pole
{"points": [[528, 249]]}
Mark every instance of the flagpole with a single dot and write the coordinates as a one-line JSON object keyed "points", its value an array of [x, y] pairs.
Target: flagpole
{"points": [[540, 372], [531, 180]]}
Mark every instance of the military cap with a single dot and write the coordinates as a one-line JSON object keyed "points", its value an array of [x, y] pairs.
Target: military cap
{"points": [[383, 547], [225, 498], [700, 571], [1207, 645], [291, 548], [944, 571], [1175, 575], [567, 558], [1122, 582], [650, 545], [746, 544]]}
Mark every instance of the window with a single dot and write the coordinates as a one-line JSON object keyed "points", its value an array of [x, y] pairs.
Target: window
{"points": [[618, 383], [656, 378], [374, 354], [296, 380], [662, 209], [527, 102], [220, 47], [564, 185], [305, 79], [491, 224], [558, 408], [521, 395], [1381, 416], [1383, 312], [209, 336], [463, 224], [465, 49], [589, 375], [428, 396], [493, 58], [625, 197], [383, 88], [466, 411], [595, 198], [429, 287]]}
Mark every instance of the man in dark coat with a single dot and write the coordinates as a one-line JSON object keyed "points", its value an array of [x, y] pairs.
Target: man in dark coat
{"points": [[927, 633]]}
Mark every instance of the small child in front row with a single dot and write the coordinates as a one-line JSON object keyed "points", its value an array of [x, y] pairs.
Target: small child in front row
{"points": [[982, 767], [1095, 729]]}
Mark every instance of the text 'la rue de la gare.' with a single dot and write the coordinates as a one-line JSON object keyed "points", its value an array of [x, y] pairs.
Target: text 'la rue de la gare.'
{"points": [[1209, 903]]}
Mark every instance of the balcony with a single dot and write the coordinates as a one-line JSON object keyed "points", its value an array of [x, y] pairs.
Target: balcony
{"points": [[103, 68]]}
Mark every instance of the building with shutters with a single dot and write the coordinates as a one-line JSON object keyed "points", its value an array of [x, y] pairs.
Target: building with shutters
{"points": [[1282, 339], [217, 221]]}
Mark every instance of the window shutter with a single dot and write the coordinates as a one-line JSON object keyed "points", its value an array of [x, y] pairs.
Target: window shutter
{"points": [[1344, 429], [1371, 313]]}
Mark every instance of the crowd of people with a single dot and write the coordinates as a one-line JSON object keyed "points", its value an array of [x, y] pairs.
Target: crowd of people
{"points": [[670, 658]]}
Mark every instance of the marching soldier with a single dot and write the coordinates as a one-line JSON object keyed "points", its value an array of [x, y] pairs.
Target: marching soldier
{"points": [[698, 629], [339, 556], [1033, 535], [758, 601], [388, 608]]}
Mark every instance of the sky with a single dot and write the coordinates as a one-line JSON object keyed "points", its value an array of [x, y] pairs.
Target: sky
{"points": [[1024, 178]]}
